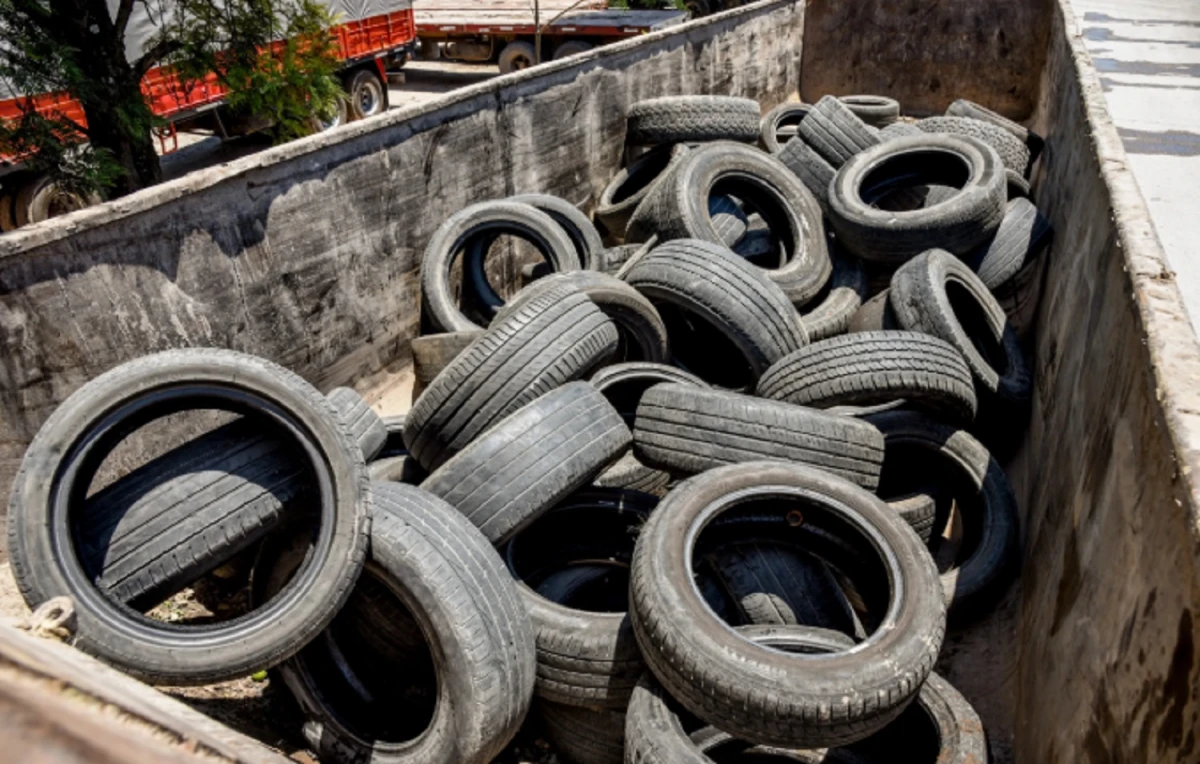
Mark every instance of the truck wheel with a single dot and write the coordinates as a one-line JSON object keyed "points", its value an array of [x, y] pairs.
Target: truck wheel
{"points": [[41, 199], [368, 94], [571, 47], [517, 55], [336, 117]]}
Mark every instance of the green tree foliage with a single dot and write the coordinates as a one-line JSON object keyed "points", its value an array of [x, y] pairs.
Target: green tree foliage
{"points": [[276, 57]]}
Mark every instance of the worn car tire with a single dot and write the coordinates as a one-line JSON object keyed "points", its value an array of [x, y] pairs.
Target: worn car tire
{"points": [[678, 208], [833, 313], [484, 221], [584, 735], [958, 225], [451, 580], [965, 108], [706, 293], [679, 119], [67, 451], [631, 185], [365, 426], [876, 111], [642, 333], [1013, 152], [757, 693], [1022, 235], [871, 368], [687, 430], [527, 462], [432, 353], [835, 132], [810, 167], [970, 319], [899, 130], [780, 125]]}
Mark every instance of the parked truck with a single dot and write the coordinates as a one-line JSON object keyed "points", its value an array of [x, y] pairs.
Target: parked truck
{"points": [[371, 37], [506, 31]]}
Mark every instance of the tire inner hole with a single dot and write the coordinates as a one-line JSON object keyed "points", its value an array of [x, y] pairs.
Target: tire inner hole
{"points": [[702, 348], [492, 267], [770, 240], [971, 316], [914, 180]]}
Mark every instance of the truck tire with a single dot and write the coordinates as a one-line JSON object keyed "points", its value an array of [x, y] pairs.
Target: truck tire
{"points": [[810, 167], [40, 198], [434, 352], [530, 460], [693, 118], [847, 290], [363, 424], [975, 583], [678, 208], [572, 48], [485, 219], [965, 108], [451, 580], [778, 585], [875, 111], [643, 335], [554, 338], [705, 293], [687, 430], [969, 318], [836, 132], [631, 185], [758, 693], [1023, 233], [875, 315], [958, 225], [872, 368], [584, 735], [68, 450], [516, 56], [781, 124], [1013, 153], [368, 94], [585, 658]]}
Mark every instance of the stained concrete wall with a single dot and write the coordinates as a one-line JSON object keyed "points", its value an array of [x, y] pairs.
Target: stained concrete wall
{"points": [[1109, 660], [308, 254], [926, 53]]}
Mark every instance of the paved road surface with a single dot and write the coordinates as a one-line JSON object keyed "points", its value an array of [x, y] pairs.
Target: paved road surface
{"points": [[1148, 55]]}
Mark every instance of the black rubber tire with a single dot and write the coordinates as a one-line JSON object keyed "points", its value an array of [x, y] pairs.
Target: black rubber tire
{"points": [[1018, 187], [810, 167], [678, 208], [899, 130], [872, 368], [835, 132], [364, 425], [1022, 235], [702, 289], [780, 585], [757, 693], [41, 198], [583, 234], [919, 510], [434, 352], [101, 411], [642, 333], [958, 225], [687, 430], [679, 119], [780, 125], [572, 48], [1019, 296], [631, 185], [614, 258], [584, 735], [921, 303], [366, 81], [1012, 151], [627, 472], [400, 468], [875, 111], [977, 582], [516, 56], [530, 460], [875, 315], [552, 339], [585, 658], [728, 219], [965, 108], [484, 220], [453, 582], [836, 309]]}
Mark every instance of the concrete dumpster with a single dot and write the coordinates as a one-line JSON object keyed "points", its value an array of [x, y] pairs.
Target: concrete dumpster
{"points": [[307, 254]]}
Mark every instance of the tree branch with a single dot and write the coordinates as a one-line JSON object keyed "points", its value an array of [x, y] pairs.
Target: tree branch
{"points": [[124, 10], [156, 54]]}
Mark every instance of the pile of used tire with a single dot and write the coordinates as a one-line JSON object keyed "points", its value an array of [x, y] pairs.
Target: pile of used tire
{"points": [[707, 489]]}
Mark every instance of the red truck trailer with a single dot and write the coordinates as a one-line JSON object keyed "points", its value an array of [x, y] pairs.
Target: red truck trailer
{"points": [[504, 31], [372, 36]]}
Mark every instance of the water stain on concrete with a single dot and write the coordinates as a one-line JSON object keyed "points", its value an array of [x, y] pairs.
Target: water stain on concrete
{"points": [[1177, 143], [1108, 83], [1101, 18], [1104, 34], [1147, 68]]}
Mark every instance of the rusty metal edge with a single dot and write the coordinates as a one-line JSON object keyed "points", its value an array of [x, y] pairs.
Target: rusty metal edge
{"points": [[414, 119], [1171, 341]]}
